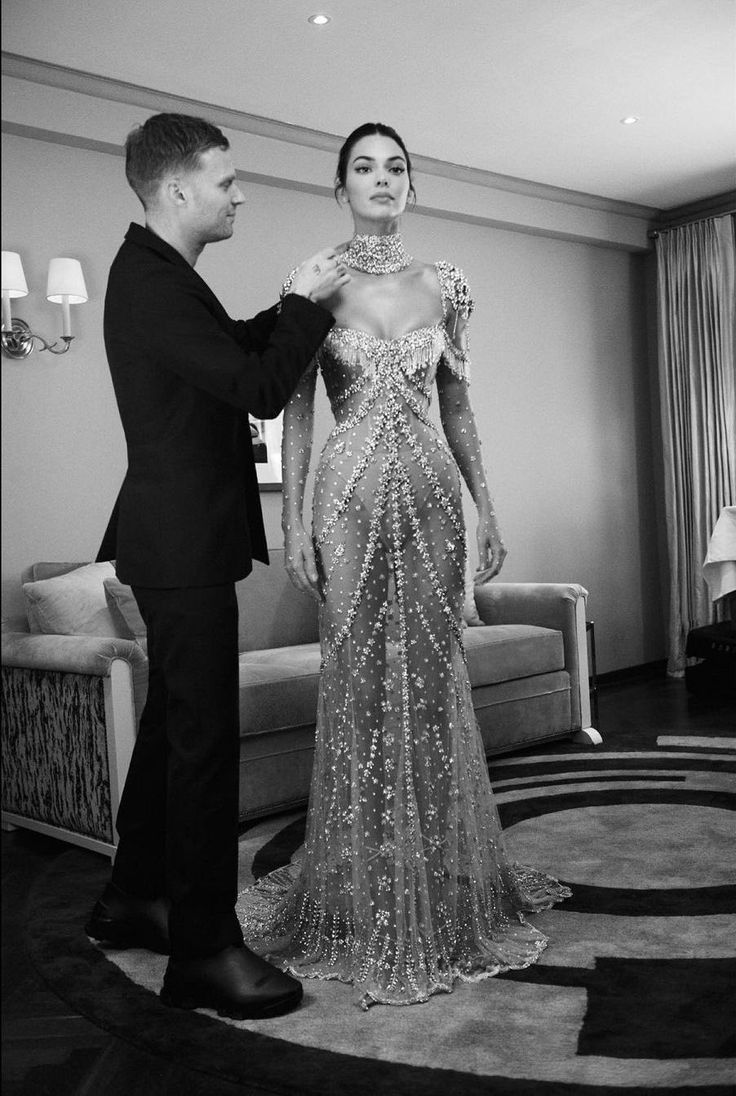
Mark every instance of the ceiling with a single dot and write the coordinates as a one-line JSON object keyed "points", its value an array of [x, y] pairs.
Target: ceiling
{"points": [[533, 89]]}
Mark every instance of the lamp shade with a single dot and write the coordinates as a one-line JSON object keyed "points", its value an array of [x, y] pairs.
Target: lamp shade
{"points": [[66, 282], [13, 278]]}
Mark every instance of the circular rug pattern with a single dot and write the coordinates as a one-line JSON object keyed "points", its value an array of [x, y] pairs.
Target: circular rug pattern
{"points": [[631, 994]]}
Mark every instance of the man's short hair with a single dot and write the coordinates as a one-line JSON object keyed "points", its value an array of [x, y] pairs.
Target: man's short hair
{"points": [[166, 143]]}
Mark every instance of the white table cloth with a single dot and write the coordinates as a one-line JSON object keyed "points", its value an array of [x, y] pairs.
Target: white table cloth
{"points": [[719, 568]]}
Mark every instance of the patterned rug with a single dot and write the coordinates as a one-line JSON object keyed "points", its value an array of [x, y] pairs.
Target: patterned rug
{"points": [[635, 993]]}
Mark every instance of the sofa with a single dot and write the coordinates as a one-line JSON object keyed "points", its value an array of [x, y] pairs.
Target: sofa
{"points": [[74, 679]]}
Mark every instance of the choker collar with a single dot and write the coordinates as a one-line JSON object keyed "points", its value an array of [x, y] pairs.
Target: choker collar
{"points": [[377, 254]]}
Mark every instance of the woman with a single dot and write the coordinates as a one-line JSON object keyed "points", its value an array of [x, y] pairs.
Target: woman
{"points": [[404, 885]]}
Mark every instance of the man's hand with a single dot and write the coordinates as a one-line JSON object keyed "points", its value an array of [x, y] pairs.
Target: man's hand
{"points": [[321, 276]]}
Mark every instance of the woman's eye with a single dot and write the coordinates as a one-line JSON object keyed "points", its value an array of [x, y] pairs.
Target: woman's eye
{"points": [[398, 170]]}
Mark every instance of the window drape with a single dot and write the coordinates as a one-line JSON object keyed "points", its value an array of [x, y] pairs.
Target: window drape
{"points": [[697, 375]]}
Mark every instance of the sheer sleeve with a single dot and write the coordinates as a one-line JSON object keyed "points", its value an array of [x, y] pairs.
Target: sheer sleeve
{"points": [[296, 447], [456, 412], [457, 305], [286, 287]]}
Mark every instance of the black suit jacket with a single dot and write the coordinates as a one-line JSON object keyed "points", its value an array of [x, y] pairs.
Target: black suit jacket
{"points": [[185, 377]]}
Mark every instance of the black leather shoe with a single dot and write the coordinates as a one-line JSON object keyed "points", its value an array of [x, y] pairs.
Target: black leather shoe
{"points": [[235, 982], [124, 921]]}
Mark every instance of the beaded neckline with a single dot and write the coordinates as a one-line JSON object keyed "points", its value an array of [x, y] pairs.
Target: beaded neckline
{"points": [[377, 254]]}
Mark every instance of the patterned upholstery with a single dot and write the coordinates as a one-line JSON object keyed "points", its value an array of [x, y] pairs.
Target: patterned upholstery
{"points": [[54, 758]]}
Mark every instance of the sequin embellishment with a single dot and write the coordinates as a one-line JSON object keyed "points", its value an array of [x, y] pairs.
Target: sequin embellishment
{"points": [[403, 885]]}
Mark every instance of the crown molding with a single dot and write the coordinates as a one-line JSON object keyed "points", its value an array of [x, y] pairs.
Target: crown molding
{"points": [[423, 209], [717, 205], [90, 144], [53, 137], [119, 91]]}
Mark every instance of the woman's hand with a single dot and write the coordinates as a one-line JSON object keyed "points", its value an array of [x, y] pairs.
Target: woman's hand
{"points": [[491, 549], [301, 565]]}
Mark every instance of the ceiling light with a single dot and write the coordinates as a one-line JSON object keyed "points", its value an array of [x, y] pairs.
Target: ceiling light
{"points": [[319, 20], [629, 120]]}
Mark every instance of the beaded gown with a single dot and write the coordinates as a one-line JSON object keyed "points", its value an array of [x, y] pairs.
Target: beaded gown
{"points": [[403, 885]]}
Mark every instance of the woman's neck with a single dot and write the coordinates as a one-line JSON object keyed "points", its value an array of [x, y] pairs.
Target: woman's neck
{"points": [[363, 227]]}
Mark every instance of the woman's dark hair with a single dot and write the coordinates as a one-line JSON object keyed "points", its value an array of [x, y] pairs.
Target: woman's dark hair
{"points": [[368, 129], [167, 142]]}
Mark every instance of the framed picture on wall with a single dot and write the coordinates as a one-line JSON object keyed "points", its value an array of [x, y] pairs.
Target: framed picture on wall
{"points": [[266, 437]]}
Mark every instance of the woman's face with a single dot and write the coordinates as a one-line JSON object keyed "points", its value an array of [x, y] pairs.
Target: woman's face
{"points": [[376, 183]]}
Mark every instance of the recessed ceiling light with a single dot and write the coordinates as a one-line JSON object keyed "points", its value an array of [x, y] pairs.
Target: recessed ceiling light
{"points": [[319, 20], [629, 120]]}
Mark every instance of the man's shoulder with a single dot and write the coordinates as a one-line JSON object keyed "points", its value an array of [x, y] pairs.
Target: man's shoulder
{"points": [[142, 246], [136, 272], [141, 263], [144, 288]]}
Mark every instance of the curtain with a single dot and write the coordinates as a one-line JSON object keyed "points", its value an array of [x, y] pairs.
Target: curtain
{"points": [[697, 374]]}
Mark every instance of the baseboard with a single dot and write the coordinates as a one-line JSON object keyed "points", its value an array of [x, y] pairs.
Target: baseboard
{"points": [[647, 671]]}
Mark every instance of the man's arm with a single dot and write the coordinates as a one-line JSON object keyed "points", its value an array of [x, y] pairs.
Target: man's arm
{"points": [[183, 334], [254, 334], [317, 278]]}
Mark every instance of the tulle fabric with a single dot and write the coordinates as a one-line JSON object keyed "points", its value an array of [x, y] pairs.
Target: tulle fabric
{"points": [[403, 885]]}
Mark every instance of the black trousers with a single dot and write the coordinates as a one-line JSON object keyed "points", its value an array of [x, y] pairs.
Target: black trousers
{"points": [[178, 816]]}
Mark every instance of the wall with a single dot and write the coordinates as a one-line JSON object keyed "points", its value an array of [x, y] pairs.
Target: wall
{"points": [[560, 389]]}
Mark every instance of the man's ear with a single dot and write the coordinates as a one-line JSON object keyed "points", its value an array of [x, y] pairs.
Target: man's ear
{"points": [[175, 191]]}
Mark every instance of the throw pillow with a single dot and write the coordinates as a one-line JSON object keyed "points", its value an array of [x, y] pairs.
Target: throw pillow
{"points": [[72, 604], [124, 609], [470, 610]]}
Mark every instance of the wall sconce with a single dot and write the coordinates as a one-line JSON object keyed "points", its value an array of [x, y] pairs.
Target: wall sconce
{"points": [[65, 286]]}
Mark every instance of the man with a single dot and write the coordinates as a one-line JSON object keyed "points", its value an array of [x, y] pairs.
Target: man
{"points": [[186, 527]]}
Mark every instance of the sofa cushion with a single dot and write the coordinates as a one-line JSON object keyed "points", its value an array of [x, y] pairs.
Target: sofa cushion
{"points": [[275, 770], [272, 612], [504, 652], [50, 570], [278, 688], [516, 714], [73, 604], [471, 617], [124, 608]]}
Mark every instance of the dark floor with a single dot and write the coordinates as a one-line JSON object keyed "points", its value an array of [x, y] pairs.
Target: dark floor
{"points": [[47, 1050]]}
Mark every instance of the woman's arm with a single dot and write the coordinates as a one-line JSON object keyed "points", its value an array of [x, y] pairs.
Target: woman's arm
{"points": [[458, 423], [296, 450]]}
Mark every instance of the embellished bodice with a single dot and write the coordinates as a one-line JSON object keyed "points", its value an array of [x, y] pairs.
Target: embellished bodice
{"points": [[357, 365], [364, 373]]}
